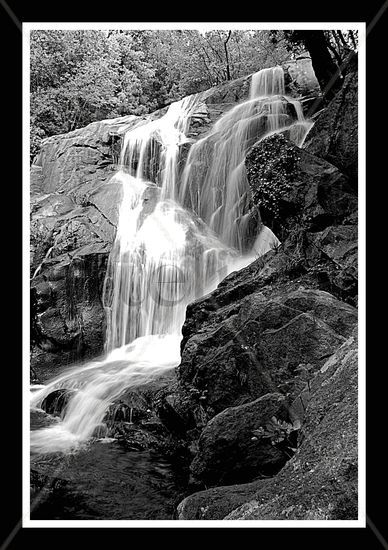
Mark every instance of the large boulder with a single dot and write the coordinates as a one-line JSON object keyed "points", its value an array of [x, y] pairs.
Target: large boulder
{"points": [[294, 187], [312, 207], [77, 162], [338, 247], [242, 442], [243, 341], [320, 481]]}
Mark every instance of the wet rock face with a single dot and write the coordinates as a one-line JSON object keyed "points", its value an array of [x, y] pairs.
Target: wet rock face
{"points": [[74, 213], [68, 320], [80, 160]]}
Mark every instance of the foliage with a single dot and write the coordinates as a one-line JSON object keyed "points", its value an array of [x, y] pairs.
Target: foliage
{"points": [[271, 168], [81, 76], [339, 43], [331, 53], [78, 77], [189, 61], [279, 433], [276, 430]]}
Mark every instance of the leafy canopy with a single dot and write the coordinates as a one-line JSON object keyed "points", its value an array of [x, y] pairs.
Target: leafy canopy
{"points": [[78, 77]]}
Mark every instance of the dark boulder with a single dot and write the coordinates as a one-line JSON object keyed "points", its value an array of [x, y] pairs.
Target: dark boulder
{"points": [[336, 251], [293, 187], [243, 341], [320, 481], [142, 418], [244, 442]]}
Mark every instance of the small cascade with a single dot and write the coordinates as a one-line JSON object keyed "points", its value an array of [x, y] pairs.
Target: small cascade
{"points": [[219, 193], [267, 82], [96, 385], [179, 234], [150, 151]]}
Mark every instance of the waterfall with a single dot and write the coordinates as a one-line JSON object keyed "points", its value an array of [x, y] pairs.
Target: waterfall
{"points": [[179, 234]]}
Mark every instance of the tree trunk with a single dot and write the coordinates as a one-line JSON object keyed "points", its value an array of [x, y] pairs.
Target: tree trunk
{"points": [[325, 69], [351, 34]]}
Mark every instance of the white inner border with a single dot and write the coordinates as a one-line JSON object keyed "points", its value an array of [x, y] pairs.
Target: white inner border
{"points": [[201, 26]]}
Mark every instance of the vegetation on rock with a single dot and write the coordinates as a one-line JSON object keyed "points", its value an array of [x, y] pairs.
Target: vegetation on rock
{"points": [[272, 174]]}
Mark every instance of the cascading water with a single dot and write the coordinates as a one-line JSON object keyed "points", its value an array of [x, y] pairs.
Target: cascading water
{"points": [[179, 234], [220, 193]]}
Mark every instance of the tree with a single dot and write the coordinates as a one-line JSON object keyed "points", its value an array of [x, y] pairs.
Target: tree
{"points": [[78, 77], [328, 51]]}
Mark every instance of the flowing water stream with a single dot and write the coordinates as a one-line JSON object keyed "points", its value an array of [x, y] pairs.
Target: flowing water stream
{"points": [[181, 230]]}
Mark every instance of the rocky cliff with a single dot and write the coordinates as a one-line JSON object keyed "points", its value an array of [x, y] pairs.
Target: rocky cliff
{"points": [[268, 379]]}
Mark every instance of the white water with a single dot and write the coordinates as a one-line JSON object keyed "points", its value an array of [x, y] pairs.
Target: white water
{"points": [[220, 195], [178, 236]]}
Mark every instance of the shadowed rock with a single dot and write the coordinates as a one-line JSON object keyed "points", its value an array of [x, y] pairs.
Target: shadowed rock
{"points": [[237, 445], [334, 136], [239, 347], [320, 481], [305, 189], [55, 403]]}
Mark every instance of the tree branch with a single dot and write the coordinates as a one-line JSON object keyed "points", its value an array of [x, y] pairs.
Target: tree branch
{"points": [[227, 56]]}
